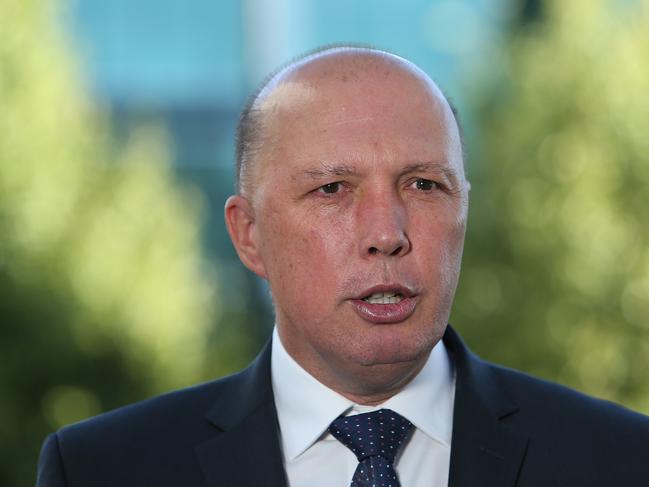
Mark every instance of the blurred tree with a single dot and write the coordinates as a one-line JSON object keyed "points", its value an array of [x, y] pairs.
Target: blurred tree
{"points": [[556, 274], [104, 296]]}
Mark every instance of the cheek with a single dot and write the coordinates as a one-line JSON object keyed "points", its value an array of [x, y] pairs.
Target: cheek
{"points": [[321, 252], [305, 276], [441, 246], [303, 253]]}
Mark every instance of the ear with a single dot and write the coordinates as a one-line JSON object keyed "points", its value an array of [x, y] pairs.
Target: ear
{"points": [[240, 222]]}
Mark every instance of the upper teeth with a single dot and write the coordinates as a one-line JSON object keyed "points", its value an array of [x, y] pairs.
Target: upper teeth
{"points": [[384, 298]]}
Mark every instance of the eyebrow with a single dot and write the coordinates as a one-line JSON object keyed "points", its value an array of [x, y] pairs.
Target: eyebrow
{"points": [[327, 170], [330, 170], [446, 170]]}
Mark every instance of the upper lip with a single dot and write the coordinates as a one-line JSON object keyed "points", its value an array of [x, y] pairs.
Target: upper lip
{"points": [[404, 291]]}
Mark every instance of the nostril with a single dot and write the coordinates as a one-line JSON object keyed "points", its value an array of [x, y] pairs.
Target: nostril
{"points": [[386, 244], [376, 250]]}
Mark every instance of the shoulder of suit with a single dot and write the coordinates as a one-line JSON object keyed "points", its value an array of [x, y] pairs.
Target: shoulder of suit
{"points": [[154, 442], [554, 407], [183, 409]]}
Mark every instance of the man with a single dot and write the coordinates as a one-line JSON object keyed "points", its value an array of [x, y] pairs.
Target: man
{"points": [[352, 202]]}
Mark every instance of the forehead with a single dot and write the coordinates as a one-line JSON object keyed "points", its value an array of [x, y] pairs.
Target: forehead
{"points": [[354, 108], [337, 75], [340, 75]]}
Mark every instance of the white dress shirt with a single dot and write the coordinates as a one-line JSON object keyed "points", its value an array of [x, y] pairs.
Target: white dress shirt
{"points": [[306, 408]]}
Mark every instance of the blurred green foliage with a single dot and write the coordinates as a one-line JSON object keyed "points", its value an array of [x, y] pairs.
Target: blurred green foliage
{"points": [[556, 272], [105, 297]]}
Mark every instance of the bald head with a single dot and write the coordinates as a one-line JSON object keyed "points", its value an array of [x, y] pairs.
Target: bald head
{"points": [[336, 76]]}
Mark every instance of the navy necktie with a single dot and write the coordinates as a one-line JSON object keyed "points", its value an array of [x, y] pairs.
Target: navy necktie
{"points": [[375, 439]]}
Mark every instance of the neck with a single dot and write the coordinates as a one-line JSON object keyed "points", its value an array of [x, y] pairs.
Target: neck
{"points": [[367, 385], [376, 384], [366, 379]]}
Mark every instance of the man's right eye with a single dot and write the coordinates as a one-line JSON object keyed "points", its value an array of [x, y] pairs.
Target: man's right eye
{"points": [[330, 188]]}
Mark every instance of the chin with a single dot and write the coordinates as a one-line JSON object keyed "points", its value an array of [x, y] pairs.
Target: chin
{"points": [[394, 352], [388, 371]]}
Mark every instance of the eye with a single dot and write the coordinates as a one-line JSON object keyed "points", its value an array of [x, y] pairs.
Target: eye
{"points": [[330, 188], [425, 184]]}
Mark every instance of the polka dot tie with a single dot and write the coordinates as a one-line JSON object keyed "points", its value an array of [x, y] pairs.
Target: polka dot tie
{"points": [[375, 439]]}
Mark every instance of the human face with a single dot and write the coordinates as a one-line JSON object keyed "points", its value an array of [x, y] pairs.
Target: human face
{"points": [[359, 220]]}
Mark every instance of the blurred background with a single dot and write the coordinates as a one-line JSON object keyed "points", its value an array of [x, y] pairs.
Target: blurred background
{"points": [[117, 279]]}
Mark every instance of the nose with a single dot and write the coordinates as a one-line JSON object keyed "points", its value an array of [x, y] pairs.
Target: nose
{"points": [[382, 219]]}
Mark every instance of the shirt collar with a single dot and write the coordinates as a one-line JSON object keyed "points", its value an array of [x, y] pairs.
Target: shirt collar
{"points": [[306, 407], [427, 400]]}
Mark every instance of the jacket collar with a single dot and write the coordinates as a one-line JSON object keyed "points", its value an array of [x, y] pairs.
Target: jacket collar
{"points": [[485, 449], [246, 451]]}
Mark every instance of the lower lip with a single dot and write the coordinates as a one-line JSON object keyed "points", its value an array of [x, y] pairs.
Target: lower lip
{"points": [[385, 313]]}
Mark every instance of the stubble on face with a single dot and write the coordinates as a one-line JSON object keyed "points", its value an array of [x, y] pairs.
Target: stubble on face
{"points": [[358, 120]]}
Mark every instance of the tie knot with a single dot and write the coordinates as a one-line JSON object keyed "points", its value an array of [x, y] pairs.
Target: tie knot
{"points": [[380, 432]]}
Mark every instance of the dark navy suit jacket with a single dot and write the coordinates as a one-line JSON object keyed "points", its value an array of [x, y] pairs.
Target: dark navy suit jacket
{"points": [[509, 429]]}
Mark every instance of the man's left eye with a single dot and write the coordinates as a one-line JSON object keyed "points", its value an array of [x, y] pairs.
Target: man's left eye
{"points": [[425, 184], [330, 188]]}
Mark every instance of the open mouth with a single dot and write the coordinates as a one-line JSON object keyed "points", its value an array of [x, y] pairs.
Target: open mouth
{"points": [[386, 303], [384, 298]]}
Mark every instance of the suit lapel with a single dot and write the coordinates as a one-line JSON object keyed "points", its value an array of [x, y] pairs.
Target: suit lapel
{"points": [[485, 451], [245, 447]]}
